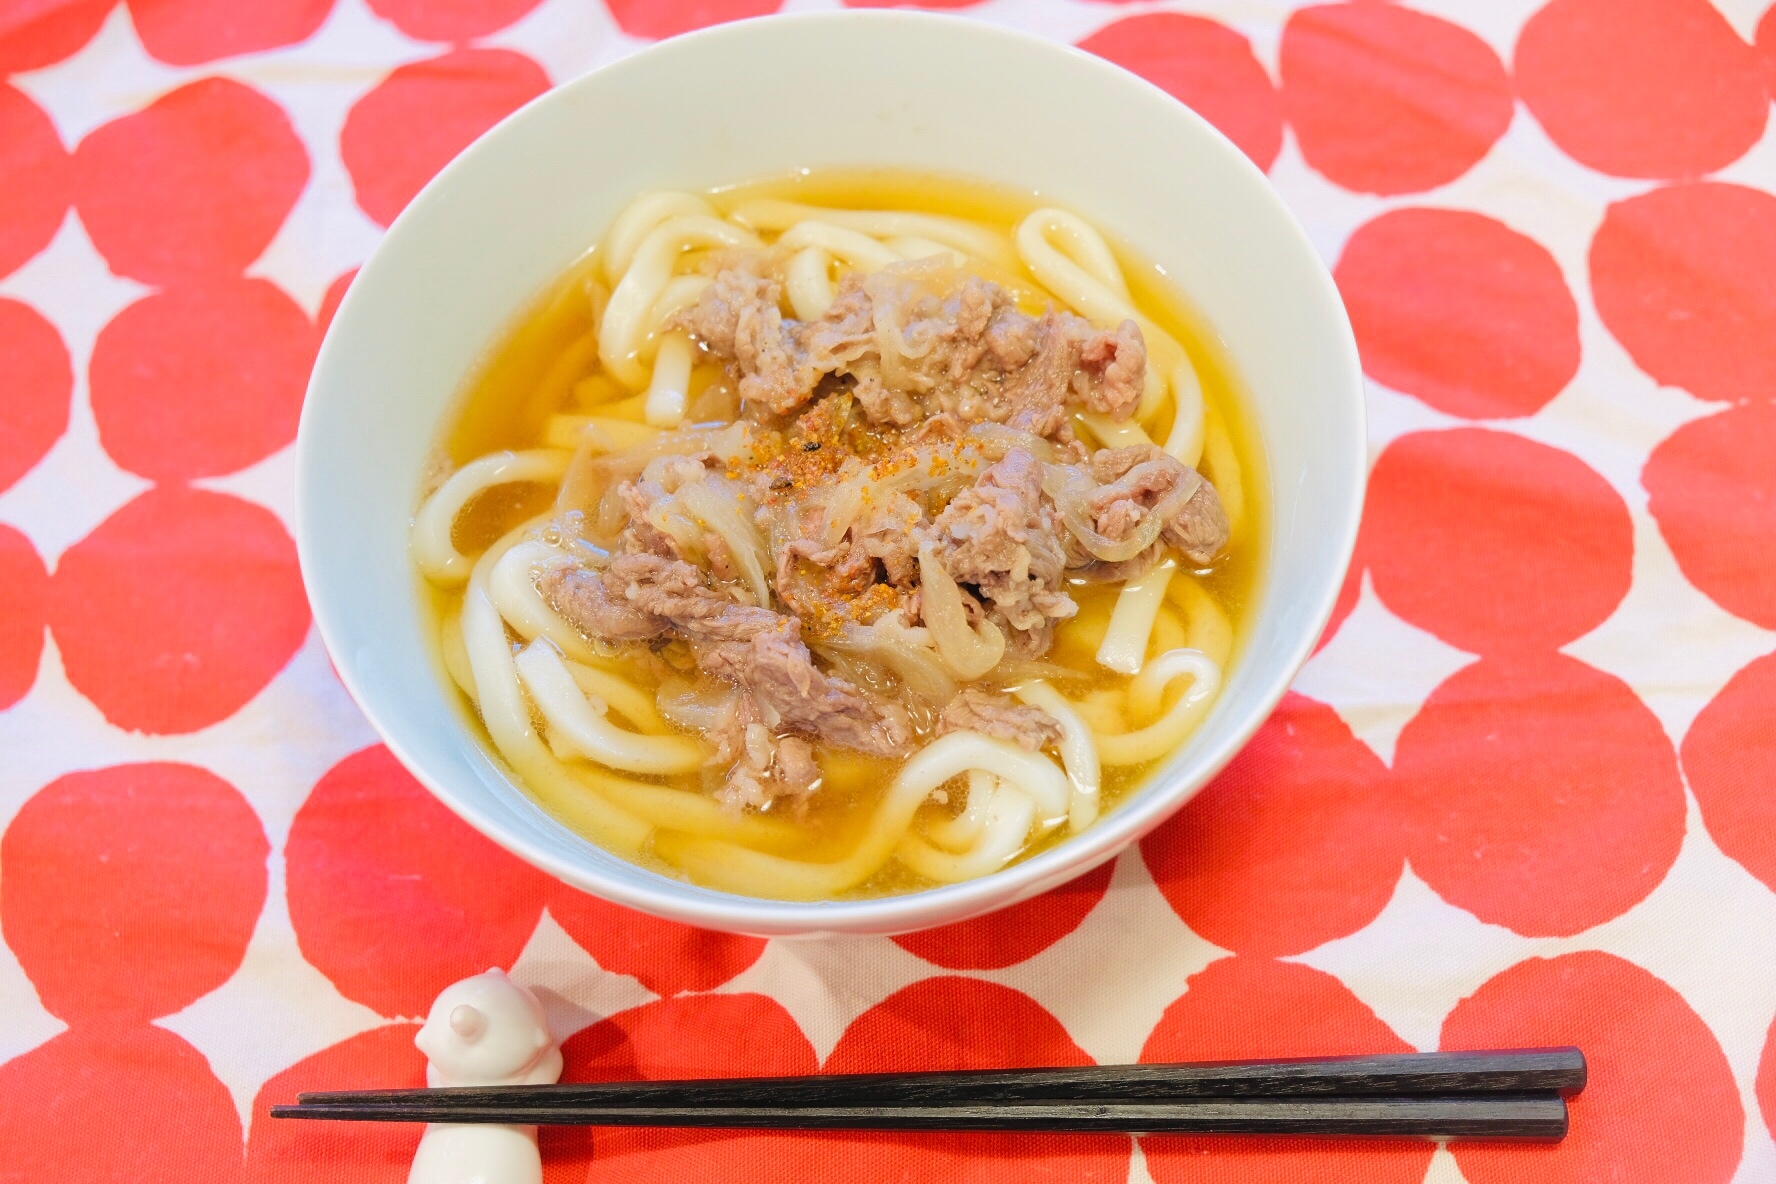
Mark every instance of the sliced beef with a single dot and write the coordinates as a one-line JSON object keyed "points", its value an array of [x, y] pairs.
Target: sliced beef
{"points": [[1083, 565], [1133, 481], [1001, 537], [1113, 371], [1201, 529], [756, 765], [777, 669], [583, 598], [887, 530], [811, 578], [768, 767], [824, 585], [673, 591], [794, 764], [916, 340], [721, 556], [944, 426], [999, 716], [662, 477], [758, 650], [780, 362], [640, 535], [1072, 363], [934, 332], [736, 294]]}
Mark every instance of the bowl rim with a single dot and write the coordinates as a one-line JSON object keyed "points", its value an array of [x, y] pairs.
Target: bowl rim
{"points": [[682, 901]]}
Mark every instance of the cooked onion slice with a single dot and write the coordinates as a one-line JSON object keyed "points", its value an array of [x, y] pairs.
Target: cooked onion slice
{"points": [[1071, 488], [969, 653], [723, 507], [906, 653]]}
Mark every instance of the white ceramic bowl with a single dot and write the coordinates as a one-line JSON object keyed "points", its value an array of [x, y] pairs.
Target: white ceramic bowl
{"points": [[763, 98]]}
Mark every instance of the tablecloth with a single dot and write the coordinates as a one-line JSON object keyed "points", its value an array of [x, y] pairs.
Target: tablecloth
{"points": [[1525, 792]]}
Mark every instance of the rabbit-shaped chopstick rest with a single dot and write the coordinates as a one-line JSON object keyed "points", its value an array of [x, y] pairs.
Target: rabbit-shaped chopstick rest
{"points": [[485, 1030]]}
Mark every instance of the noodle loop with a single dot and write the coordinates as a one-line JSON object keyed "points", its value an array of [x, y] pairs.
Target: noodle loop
{"points": [[644, 281], [433, 549]]}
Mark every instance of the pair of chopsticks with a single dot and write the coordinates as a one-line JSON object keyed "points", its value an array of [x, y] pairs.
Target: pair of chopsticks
{"points": [[1470, 1095]]}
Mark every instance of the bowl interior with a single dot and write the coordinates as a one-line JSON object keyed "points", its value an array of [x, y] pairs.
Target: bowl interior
{"points": [[764, 98]]}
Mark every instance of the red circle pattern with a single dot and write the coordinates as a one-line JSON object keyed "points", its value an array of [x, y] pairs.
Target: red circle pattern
{"points": [[664, 956], [1712, 488], [191, 32], [1685, 279], [195, 184], [1204, 65], [201, 379], [1766, 45], [38, 33], [938, 1023], [39, 384], [392, 896], [131, 891], [451, 20], [178, 609], [1245, 1008], [658, 19], [1220, 866], [1766, 1081], [1015, 934], [1495, 543], [419, 117], [1643, 1046], [378, 1153], [1641, 88], [700, 1036], [1729, 754], [965, 1023], [1513, 767], [1385, 99], [1461, 311], [24, 612], [99, 1107], [36, 179]]}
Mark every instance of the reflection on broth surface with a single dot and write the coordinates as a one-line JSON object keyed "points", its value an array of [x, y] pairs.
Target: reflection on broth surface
{"points": [[842, 535]]}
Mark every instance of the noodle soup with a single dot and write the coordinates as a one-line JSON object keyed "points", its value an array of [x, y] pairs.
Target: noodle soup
{"points": [[842, 536]]}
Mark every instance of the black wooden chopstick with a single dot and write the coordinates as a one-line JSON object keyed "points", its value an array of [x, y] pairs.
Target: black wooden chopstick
{"points": [[1517, 1094], [1524, 1071], [1473, 1116]]}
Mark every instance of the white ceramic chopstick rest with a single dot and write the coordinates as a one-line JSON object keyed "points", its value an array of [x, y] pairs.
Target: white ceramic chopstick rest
{"points": [[485, 1030]]}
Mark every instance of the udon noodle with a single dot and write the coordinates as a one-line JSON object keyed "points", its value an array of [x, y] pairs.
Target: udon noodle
{"points": [[841, 536]]}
